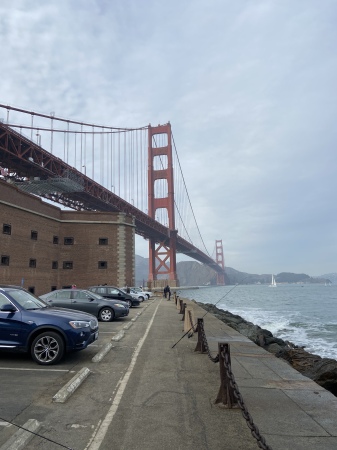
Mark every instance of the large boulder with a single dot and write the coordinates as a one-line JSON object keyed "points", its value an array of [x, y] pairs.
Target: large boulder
{"points": [[321, 370]]}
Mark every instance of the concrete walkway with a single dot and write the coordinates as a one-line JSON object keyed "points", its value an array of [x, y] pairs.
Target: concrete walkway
{"points": [[168, 398]]}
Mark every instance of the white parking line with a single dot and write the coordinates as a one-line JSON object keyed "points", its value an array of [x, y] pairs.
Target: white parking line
{"points": [[97, 439], [34, 370], [4, 424]]}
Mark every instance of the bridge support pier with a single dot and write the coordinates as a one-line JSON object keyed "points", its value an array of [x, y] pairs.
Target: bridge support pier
{"points": [[220, 277], [162, 255]]}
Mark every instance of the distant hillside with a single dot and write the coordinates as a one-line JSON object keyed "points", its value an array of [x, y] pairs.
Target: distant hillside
{"points": [[192, 273], [284, 277], [142, 270], [330, 276]]}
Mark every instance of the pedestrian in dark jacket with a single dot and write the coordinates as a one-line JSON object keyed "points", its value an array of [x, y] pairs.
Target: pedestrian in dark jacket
{"points": [[167, 292]]}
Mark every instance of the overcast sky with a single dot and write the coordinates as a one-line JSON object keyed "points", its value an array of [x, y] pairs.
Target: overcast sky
{"points": [[248, 86]]}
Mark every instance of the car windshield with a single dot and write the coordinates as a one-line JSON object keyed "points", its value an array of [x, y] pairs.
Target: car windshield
{"points": [[91, 294], [26, 300]]}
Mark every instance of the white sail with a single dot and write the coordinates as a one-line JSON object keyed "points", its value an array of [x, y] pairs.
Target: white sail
{"points": [[273, 282]]}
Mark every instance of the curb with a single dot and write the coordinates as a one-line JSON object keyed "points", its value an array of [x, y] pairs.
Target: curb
{"points": [[21, 437], [68, 389], [100, 355], [118, 336]]}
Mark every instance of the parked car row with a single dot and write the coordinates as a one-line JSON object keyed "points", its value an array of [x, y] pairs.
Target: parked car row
{"points": [[138, 293], [112, 292], [104, 309], [28, 324], [60, 321]]}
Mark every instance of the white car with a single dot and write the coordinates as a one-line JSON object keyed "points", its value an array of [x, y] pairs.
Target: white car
{"points": [[136, 295], [140, 291]]}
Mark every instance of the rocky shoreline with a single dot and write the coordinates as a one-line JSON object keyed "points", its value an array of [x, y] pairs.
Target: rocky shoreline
{"points": [[321, 370]]}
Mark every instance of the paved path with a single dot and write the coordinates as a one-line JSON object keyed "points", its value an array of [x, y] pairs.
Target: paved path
{"points": [[168, 402]]}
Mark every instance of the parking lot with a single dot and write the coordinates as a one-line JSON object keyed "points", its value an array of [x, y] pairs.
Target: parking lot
{"points": [[27, 389]]}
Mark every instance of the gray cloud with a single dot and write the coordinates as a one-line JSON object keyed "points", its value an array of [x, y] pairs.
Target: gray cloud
{"points": [[249, 88]]}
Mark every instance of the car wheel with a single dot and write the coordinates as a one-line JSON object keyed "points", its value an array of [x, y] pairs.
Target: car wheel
{"points": [[129, 302], [147, 296], [140, 298], [106, 314], [47, 348]]}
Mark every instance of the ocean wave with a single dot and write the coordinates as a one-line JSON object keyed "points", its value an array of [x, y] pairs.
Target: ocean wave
{"points": [[301, 320]]}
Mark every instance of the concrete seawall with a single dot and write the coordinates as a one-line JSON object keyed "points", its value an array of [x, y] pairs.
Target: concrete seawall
{"points": [[321, 370], [290, 410]]}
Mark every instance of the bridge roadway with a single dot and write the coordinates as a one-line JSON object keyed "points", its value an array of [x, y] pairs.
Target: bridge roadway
{"points": [[146, 395], [25, 159]]}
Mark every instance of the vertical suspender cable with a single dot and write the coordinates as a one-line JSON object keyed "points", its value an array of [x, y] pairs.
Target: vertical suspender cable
{"points": [[119, 164], [85, 149], [75, 151], [101, 151], [137, 168], [31, 131], [51, 135], [93, 153], [67, 160], [132, 178], [81, 161], [125, 172], [111, 160], [64, 145], [106, 160]]}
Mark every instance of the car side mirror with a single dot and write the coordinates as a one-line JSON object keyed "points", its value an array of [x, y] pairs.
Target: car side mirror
{"points": [[8, 307]]}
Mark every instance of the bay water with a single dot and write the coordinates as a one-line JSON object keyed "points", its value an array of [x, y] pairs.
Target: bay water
{"points": [[304, 314]]}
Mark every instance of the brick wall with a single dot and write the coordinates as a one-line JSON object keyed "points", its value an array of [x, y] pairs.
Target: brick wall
{"points": [[99, 246]]}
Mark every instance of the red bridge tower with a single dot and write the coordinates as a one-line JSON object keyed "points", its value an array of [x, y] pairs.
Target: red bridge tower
{"points": [[221, 262], [162, 256]]}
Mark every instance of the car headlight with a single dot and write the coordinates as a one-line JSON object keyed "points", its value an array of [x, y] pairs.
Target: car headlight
{"points": [[119, 305], [79, 324]]}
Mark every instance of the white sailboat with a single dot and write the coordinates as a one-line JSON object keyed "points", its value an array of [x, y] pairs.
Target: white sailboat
{"points": [[273, 282]]}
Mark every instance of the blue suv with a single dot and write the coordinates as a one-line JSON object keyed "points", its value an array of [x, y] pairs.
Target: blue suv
{"points": [[28, 324]]}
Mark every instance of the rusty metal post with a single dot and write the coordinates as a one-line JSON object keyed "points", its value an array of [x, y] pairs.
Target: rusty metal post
{"points": [[181, 303], [200, 344], [225, 398], [183, 311]]}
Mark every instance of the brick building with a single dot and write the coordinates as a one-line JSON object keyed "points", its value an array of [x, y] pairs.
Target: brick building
{"points": [[43, 247]]}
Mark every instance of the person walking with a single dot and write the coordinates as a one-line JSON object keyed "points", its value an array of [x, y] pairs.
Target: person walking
{"points": [[167, 292]]}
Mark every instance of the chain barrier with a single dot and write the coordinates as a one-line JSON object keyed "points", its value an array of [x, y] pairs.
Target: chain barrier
{"points": [[261, 442], [202, 344], [229, 393]]}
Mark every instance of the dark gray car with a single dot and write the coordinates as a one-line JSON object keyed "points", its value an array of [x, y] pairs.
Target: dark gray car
{"points": [[82, 300], [112, 292]]}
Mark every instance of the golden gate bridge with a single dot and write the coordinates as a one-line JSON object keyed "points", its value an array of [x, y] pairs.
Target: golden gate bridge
{"points": [[85, 166]]}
